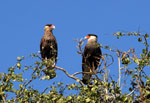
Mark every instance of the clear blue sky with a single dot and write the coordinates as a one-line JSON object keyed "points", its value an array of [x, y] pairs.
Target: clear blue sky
{"points": [[22, 23]]}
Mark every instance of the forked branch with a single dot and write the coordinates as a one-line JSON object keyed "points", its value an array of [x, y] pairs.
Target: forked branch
{"points": [[71, 76]]}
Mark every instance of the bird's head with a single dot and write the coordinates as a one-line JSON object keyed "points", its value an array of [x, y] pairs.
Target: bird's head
{"points": [[49, 27], [91, 37]]}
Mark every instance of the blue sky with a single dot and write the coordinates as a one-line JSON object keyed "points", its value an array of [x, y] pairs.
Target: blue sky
{"points": [[22, 24]]}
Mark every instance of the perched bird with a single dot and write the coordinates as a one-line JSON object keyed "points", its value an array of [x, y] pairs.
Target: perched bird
{"points": [[48, 45], [90, 57]]}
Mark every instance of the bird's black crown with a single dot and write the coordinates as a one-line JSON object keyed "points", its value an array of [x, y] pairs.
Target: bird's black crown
{"points": [[49, 25], [92, 35]]}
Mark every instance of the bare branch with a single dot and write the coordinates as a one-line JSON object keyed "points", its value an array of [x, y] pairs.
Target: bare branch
{"points": [[45, 90], [81, 73], [32, 77], [71, 76], [105, 67], [118, 54], [112, 59], [4, 100], [131, 92]]}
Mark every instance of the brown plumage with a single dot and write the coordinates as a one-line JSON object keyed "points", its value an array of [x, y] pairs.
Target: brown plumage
{"points": [[48, 44], [91, 57], [48, 48]]}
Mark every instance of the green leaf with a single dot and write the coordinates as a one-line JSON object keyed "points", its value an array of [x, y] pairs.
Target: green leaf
{"points": [[69, 98], [125, 99], [136, 61], [18, 65], [88, 100], [79, 97], [144, 51], [117, 37], [119, 33], [19, 58], [21, 86], [139, 39], [146, 36], [114, 34]]}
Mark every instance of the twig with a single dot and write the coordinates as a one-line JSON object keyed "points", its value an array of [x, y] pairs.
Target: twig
{"points": [[45, 90], [71, 76], [31, 78], [118, 54], [131, 92], [146, 45], [112, 59], [80, 43], [26, 85], [81, 73], [105, 67], [3, 99], [139, 85]]}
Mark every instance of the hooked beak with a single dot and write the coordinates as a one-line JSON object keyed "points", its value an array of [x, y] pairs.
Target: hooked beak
{"points": [[53, 27], [85, 37]]}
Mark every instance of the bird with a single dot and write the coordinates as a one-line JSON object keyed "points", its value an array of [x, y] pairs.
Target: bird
{"points": [[48, 45], [90, 57]]}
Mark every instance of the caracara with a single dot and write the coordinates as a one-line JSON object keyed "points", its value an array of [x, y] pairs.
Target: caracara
{"points": [[90, 58], [48, 45]]}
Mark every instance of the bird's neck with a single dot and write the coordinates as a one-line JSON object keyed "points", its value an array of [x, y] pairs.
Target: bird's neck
{"points": [[48, 32], [92, 41], [92, 44]]}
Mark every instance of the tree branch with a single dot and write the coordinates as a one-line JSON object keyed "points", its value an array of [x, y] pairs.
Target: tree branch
{"points": [[4, 100], [71, 76], [131, 92], [118, 54], [25, 85]]}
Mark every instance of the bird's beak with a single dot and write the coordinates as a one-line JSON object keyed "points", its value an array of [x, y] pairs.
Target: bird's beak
{"points": [[53, 27], [85, 37]]}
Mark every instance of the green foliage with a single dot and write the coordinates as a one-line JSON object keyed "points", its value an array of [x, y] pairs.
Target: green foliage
{"points": [[14, 87]]}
